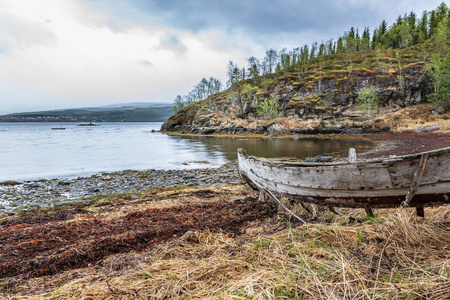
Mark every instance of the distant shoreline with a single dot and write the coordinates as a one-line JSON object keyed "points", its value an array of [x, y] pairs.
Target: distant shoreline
{"points": [[76, 122]]}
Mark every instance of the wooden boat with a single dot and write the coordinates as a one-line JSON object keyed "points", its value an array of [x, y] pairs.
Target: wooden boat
{"points": [[88, 124], [416, 180], [59, 128]]}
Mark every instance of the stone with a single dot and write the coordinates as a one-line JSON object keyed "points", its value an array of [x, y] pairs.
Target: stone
{"points": [[208, 131], [93, 190], [10, 183], [46, 193], [318, 158], [438, 109]]}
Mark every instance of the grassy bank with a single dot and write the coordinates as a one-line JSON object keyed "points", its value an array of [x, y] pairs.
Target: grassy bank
{"points": [[252, 254]]}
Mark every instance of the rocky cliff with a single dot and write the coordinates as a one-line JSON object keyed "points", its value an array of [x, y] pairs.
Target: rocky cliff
{"points": [[322, 97]]}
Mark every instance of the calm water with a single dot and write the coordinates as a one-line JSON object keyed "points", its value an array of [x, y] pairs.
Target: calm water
{"points": [[34, 150]]}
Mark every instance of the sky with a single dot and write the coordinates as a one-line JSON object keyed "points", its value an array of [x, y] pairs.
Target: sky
{"points": [[58, 54]]}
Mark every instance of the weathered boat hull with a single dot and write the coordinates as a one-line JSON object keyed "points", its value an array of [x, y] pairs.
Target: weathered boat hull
{"points": [[370, 184]]}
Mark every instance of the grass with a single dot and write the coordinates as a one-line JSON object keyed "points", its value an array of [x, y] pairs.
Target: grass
{"points": [[323, 84], [394, 255]]}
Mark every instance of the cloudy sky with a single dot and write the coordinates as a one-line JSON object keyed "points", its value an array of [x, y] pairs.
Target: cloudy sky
{"points": [[74, 53]]}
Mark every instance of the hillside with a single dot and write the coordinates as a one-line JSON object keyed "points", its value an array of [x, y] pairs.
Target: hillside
{"points": [[134, 112], [319, 95]]}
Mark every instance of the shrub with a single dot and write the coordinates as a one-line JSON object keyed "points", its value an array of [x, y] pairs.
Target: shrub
{"points": [[268, 109], [368, 101], [440, 75]]}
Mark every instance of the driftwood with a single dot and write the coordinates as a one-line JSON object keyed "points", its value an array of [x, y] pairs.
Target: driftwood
{"points": [[427, 128]]}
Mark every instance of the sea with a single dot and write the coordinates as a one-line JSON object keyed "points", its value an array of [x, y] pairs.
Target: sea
{"points": [[30, 151]]}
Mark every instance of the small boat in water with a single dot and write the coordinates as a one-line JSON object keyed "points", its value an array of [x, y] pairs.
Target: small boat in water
{"points": [[89, 124], [58, 128], [416, 180]]}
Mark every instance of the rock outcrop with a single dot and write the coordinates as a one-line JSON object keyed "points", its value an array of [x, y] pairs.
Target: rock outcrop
{"points": [[319, 102]]}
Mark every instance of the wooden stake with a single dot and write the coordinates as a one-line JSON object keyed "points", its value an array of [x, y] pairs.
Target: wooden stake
{"points": [[420, 212], [335, 210], [369, 212], [416, 180], [307, 207]]}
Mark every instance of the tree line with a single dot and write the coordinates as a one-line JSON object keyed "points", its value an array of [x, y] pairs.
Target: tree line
{"points": [[408, 30], [405, 32], [201, 91]]}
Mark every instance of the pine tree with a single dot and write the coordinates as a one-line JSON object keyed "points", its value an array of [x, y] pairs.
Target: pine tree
{"points": [[432, 24], [312, 53], [383, 28], [321, 49], [375, 39], [422, 28], [340, 45]]}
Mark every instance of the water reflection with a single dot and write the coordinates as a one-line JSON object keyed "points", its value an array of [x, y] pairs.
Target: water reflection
{"points": [[33, 150], [277, 147]]}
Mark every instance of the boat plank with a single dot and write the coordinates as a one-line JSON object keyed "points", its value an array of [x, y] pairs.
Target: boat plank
{"points": [[437, 169], [352, 185], [376, 176]]}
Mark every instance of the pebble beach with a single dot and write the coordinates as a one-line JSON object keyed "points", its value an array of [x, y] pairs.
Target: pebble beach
{"points": [[16, 196]]}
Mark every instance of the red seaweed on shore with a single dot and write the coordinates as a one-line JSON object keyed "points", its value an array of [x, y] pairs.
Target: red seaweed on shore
{"points": [[34, 247]]}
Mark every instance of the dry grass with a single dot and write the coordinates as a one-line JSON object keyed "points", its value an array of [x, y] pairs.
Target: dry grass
{"points": [[412, 117], [395, 255]]}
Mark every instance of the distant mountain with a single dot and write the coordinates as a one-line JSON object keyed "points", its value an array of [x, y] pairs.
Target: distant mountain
{"points": [[123, 112], [131, 105]]}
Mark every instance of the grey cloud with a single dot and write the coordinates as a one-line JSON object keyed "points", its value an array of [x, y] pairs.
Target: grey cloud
{"points": [[267, 23], [15, 32], [172, 43], [253, 15], [146, 63], [263, 20]]}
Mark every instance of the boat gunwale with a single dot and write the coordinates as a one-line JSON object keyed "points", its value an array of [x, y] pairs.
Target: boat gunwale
{"points": [[343, 161]]}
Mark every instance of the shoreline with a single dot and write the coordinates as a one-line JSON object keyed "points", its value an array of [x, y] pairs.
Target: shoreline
{"points": [[203, 230], [16, 196]]}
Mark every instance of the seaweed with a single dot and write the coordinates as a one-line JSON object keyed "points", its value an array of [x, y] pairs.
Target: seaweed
{"points": [[32, 247]]}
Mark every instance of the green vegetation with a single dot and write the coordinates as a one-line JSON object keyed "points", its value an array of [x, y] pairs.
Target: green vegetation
{"points": [[368, 100], [439, 68], [389, 50], [407, 31], [268, 109], [440, 73], [151, 114], [201, 91]]}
